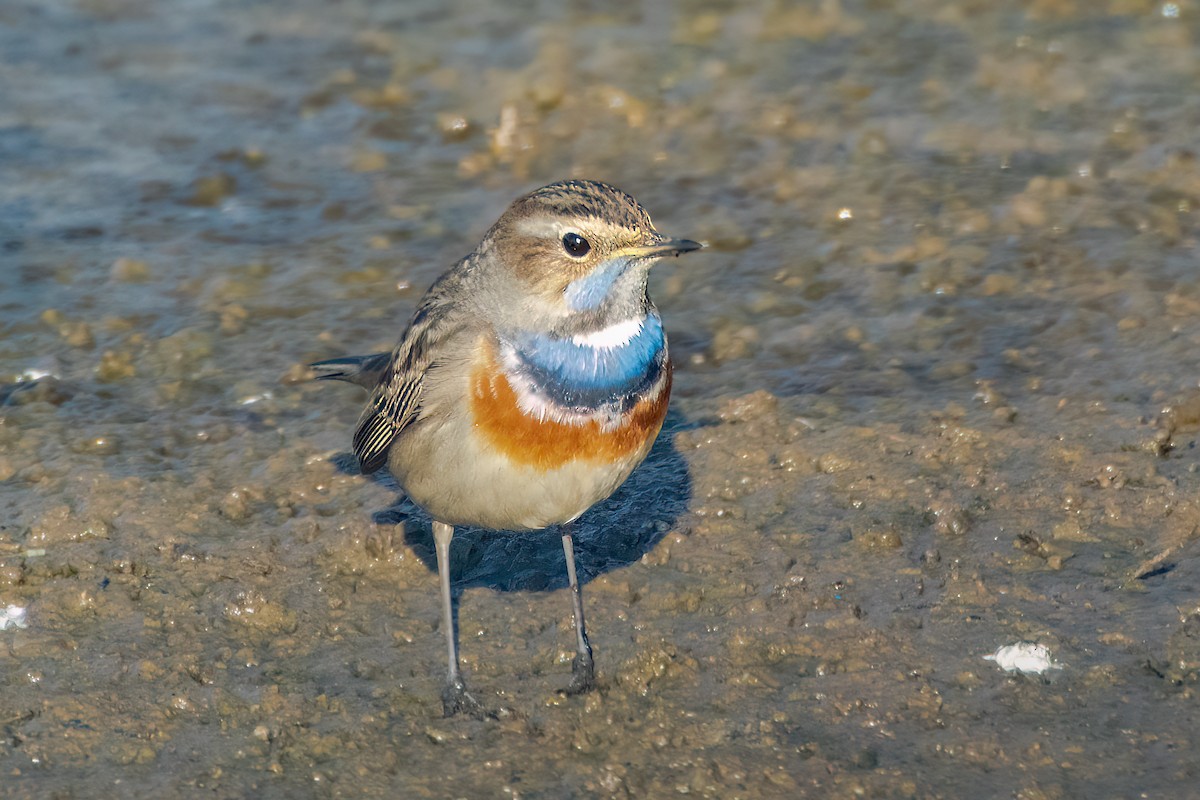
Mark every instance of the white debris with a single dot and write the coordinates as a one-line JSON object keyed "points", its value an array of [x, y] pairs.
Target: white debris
{"points": [[255, 398], [13, 615], [1028, 658]]}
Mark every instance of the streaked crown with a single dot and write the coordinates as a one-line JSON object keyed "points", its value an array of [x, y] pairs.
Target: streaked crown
{"points": [[588, 200]]}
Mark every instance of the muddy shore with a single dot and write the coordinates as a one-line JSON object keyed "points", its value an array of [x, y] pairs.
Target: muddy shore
{"points": [[936, 393]]}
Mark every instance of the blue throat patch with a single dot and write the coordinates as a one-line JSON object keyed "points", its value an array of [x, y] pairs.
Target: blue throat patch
{"points": [[582, 376], [588, 292]]}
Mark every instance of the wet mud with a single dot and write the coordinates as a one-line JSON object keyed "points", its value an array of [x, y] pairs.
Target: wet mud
{"points": [[936, 394]]}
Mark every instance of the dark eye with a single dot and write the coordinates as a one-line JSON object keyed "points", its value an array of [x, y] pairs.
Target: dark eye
{"points": [[575, 245]]}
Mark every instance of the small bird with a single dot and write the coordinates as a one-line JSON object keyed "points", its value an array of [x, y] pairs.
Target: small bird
{"points": [[531, 381]]}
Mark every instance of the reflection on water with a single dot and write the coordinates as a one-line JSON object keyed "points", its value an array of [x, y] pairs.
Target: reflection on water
{"points": [[938, 375]]}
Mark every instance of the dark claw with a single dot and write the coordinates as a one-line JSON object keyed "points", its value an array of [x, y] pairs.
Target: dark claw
{"points": [[583, 674], [457, 700]]}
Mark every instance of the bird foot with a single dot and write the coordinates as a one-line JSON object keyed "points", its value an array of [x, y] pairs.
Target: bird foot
{"points": [[457, 700], [583, 674]]}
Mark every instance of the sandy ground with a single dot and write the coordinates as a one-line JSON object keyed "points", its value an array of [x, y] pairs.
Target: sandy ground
{"points": [[936, 394]]}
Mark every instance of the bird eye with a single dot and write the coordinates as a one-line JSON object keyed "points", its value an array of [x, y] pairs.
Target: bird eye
{"points": [[575, 245]]}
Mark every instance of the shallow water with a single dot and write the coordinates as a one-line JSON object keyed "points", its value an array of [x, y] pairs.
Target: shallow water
{"points": [[936, 393]]}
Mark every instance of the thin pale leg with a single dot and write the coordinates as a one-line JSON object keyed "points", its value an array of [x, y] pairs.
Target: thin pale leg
{"points": [[455, 698], [583, 668]]}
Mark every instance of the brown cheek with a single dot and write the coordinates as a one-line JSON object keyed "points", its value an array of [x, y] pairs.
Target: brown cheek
{"points": [[554, 274], [537, 266]]}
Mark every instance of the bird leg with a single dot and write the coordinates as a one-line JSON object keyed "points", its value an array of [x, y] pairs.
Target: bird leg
{"points": [[455, 698], [583, 668]]}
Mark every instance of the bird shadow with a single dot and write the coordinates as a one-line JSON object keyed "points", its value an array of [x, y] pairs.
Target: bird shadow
{"points": [[612, 534]]}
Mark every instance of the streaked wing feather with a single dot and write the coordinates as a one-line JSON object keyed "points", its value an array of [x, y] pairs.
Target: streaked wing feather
{"points": [[394, 405], [372, 438], [396, 400]]}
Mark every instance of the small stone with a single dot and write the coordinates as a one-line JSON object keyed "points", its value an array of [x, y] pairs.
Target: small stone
{"points": [[1029, 211], [115, 366], [830, 463], [732, 342], [949, 518], [77, 334], [997, 284], [210, 190], [233, 319], [748, 406], [128, 270], [234, 506], [368, 161], [548, 91]]}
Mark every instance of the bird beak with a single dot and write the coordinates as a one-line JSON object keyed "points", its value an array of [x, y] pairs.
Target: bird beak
{"points": [[664, 247]]}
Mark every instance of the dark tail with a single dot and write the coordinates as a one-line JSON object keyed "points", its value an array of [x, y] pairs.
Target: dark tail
{"points": [[363, 370]]}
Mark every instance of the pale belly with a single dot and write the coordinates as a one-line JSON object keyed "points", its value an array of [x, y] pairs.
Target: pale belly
{"points": [[451, 476]]}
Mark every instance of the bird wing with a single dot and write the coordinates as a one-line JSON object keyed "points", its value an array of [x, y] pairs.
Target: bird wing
{"points": [[396, 400]]}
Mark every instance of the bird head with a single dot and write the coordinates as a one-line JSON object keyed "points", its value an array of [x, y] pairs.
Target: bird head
{"points": [[576, 254]]}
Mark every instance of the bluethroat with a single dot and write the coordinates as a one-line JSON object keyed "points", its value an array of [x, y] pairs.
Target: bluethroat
{"points": [[532, 379]]}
